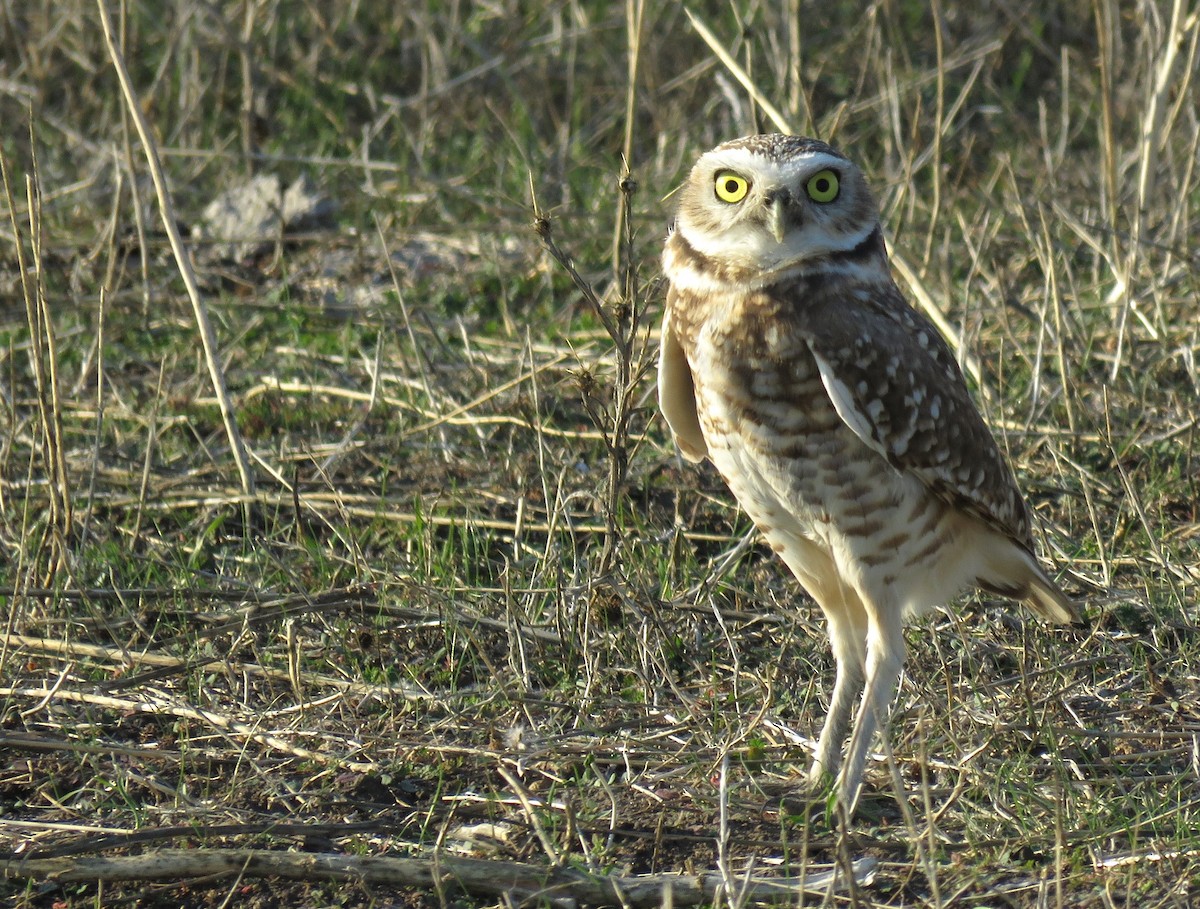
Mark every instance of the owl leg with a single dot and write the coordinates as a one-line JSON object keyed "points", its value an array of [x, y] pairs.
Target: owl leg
{"points": [[885, 660], [848, 621], [849, 642]]}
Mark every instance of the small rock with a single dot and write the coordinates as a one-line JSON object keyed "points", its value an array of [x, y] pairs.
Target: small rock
{"points": [[246, 220]]}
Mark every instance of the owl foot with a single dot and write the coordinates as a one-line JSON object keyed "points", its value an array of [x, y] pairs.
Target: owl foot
{"points": [[811, 798]]}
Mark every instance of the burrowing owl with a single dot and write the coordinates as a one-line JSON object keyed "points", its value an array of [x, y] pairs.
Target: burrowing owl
{"points": [[837, 415]]}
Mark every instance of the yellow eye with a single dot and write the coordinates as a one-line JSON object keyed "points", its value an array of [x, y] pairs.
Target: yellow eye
{"points": [[730, 187], [822, 186]]}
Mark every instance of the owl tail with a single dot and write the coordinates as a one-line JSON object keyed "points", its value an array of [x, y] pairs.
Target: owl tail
{"points": [[1022, 578], [1046, 599]]}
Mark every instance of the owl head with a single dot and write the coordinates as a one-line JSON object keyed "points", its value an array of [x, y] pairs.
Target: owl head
{"points": [[766, 204]]}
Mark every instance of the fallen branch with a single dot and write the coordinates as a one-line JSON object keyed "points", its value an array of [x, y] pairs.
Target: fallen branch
{"points": [[563, 886]]}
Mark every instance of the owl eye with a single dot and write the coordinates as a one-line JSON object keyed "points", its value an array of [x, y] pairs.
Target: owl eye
{"points": [[822, 186], [730, 187]]}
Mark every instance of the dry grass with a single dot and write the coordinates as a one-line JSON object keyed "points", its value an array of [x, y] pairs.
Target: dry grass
{"points": [[476, 605]]}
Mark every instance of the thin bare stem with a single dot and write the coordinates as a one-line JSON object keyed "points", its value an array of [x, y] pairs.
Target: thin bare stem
{"points": [[739, 73], [208, 336]]}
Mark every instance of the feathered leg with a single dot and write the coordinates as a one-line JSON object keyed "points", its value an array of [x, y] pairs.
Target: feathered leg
{"points": [[849, 643], [885, 660]]}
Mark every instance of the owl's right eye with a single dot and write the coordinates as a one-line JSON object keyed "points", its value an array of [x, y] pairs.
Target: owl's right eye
{"points": [[731, 187]]}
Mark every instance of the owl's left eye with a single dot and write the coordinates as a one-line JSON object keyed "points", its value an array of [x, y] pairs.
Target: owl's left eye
{"points": [[731, 187], [822, 186]]}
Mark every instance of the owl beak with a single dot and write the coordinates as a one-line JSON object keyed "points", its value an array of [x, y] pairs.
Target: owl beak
{"points": [[778, 217]]}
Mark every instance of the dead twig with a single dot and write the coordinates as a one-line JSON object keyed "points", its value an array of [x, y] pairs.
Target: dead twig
{"points": [[560, 886]]}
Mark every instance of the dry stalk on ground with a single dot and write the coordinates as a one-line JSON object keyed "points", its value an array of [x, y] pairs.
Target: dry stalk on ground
{"points": [[514, 881]]}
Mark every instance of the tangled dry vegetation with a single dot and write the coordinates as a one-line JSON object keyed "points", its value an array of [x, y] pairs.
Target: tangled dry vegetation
{"points": [[456, 599]]}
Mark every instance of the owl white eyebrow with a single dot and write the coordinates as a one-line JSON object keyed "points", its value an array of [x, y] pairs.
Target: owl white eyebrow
{"points": [[810, 163], [743, 160]]}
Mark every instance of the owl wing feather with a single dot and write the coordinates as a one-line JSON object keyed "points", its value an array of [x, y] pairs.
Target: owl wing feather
{"points": [[895, 383], [677, 394]]}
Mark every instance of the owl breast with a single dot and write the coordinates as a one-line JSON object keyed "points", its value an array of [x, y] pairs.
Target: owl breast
{"points": [[811, 486]]}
